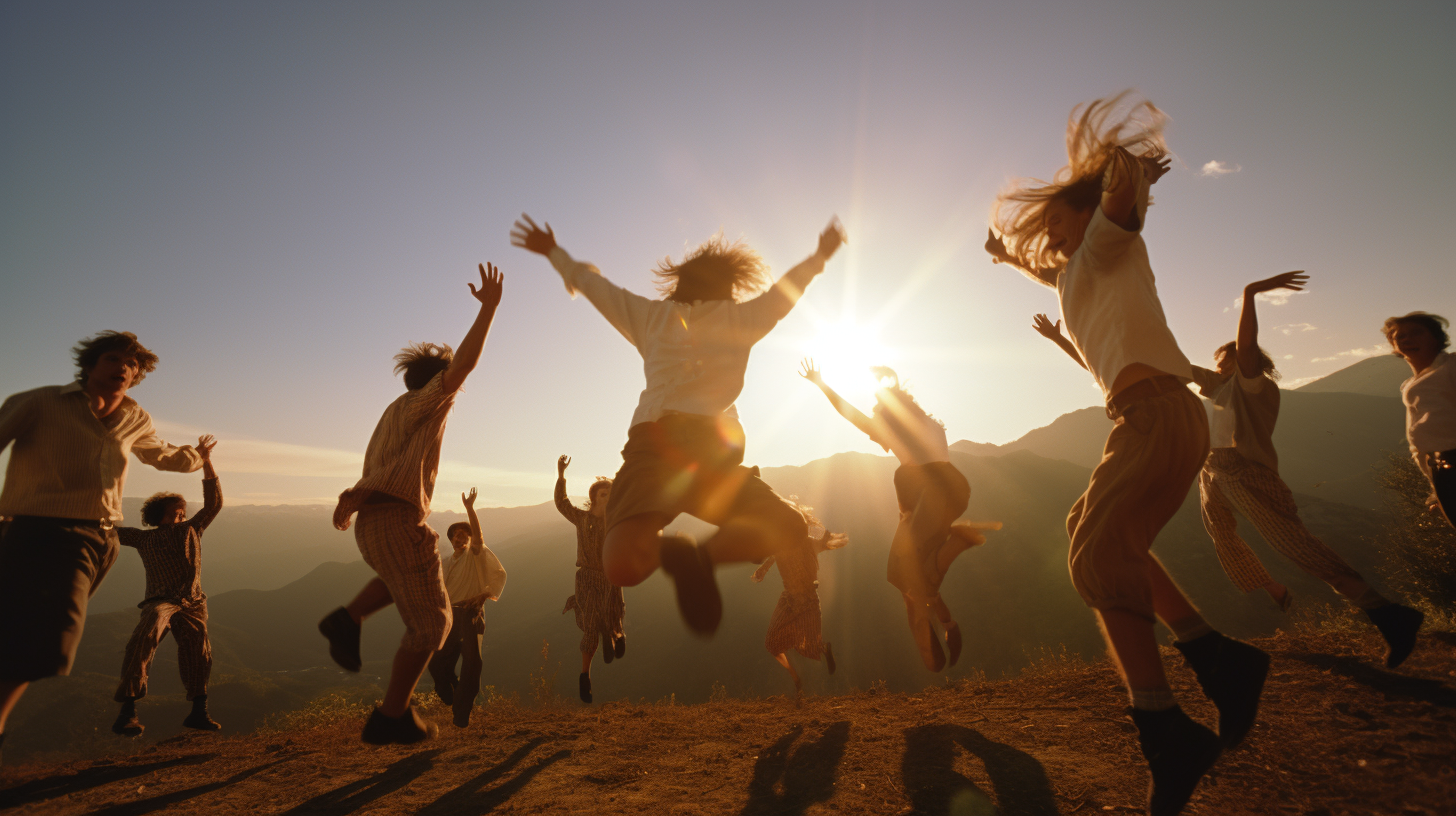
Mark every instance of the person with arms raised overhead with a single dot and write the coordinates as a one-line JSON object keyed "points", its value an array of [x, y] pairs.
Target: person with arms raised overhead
{"points": [[393, 501], [598, 603], [1082, 236], [62, 495], [474, 576], [685, 447], [797, 624]]}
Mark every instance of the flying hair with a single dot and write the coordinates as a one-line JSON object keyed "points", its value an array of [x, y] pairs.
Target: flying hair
{"points": [[420, 362], [1095, 133], [718, 269]]}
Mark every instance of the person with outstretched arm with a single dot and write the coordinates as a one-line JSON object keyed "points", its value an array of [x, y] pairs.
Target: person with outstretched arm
{"points": [[474, 576], [597, 602]]}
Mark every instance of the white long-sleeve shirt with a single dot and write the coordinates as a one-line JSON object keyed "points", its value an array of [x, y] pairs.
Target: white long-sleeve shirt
{"points": [[1430, 409], [693, 354]]}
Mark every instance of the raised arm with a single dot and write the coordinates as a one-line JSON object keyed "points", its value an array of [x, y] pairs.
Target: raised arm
{"points": [[849, 412], [1247, 342], [155, 451], [573, 513], [996, 248], [489, 295], [626, 311], [1053, 332], [211, 490], [776, 303], [477, 540]]}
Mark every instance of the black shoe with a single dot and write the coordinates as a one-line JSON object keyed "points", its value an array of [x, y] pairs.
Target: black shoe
{"points": [[608, 653], [1398, 624], [343, 635], [127, 724], [406, 729], [1179, 752], [198, 718], [829, 657], [583, 685], [1231, 674], [445, 692], [619, 647], [462, 719], [691, 571]]}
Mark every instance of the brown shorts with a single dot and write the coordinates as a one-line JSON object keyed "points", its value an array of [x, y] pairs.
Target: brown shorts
{"points": [[404, 551], [688, 463], [49, 569]]}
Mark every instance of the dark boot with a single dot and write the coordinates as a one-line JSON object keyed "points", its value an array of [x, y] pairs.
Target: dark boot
{"points": [[198, 718], [583, 685], [1231, 674], [691, 571], [127, 724], [1179, 752], [608, 652], [1398, 624], [619, 646], [343, 635], [406, 729]]}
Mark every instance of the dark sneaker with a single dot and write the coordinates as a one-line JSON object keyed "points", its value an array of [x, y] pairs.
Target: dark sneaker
{"points": [[198, 719], [343, 635], [691, 571], [406, 729], [445, 693], [1398, 624], [127, 724], [462, 719], [1179, 752], [1231, 674], [829, 658], [608, 652], [619, 647], [583, 685]]}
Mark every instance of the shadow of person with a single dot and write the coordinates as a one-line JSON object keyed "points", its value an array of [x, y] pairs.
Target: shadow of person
{"points": [[156, 803], [349, 798], [469, 798], [1388, 683], [807, 774], [928, 769], [50, 787]]}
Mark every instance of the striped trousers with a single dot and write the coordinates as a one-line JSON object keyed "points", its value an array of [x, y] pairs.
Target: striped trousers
{"points": [[1230, 483], [188, 624]]}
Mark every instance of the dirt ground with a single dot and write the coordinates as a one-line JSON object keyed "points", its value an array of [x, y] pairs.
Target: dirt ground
{"points": [[1337, 735]]}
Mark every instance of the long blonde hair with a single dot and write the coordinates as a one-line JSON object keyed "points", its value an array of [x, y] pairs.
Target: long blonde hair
{"points": [[1095, 133]]}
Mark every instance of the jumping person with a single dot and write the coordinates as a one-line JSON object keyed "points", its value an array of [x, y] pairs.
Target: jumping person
{"points": [[1081, 235], [684, 451], [797, 623], [62, 495], [1430, 402], [931, 493], [393, 501], [474, 576], [597, 602], [171, 553]]}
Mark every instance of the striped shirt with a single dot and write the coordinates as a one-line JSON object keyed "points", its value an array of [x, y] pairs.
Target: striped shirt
{"points": [[67, 463], [404, 454], [172, 553]]}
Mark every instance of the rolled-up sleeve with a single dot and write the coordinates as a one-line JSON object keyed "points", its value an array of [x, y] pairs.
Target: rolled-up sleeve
{"points": [[1105, 240]]}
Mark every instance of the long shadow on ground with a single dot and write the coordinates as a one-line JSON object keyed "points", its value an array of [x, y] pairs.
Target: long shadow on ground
{"points": [[50, 787], [934, 787], [1388, 683], [807, 774], [156, 803], [349, 798], [469, 797]]}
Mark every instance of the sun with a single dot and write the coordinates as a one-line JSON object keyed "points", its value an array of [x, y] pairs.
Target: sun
{"points": [[844, 352]]}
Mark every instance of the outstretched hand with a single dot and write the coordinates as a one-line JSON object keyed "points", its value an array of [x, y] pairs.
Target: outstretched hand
{"points": [[830, 239], [1155, 169], [491, 280], [205, 444], [809, 372], [468, 499], [1294, 281], [561, 465], [995, 246], [525, 234], [1046, 328]]}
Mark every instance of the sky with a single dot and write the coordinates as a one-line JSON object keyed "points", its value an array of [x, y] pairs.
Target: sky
{"points": [[278, 196]]}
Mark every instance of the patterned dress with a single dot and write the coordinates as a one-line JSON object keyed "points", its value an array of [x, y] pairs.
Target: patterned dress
{"points": [[598, 604], [796, 623]]}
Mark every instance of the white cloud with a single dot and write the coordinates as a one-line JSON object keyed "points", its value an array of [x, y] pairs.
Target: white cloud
{"points": [[1291, 328], [1278, 297], [1352, 354], [1216, 168], [1289, 356]]}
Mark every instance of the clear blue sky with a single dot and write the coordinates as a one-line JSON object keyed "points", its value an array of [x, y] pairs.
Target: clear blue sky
{"points": [[277, 196]]}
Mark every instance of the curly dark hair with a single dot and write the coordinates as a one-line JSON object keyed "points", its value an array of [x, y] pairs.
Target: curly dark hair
{"points": [[591, 492], [459, 525], [718, 269], [157, 506], [420, 362], [1435, 324], [88, 353], [1266, 363]]}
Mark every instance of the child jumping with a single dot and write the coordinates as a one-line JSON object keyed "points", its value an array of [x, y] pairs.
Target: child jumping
{"points": [[474, 576], [597, 602], [931, 493], [393, 501], [1429, 395], [1081, 235], [684, 451], [171, 554], [797, 624]]}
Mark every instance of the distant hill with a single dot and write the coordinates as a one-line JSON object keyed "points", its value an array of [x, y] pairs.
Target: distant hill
{"points": [[1377, 376]]}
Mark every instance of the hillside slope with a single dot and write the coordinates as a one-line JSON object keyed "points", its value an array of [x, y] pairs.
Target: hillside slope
{"points": [[1335, 735]]}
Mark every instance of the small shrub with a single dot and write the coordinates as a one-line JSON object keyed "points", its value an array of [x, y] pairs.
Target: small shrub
{"points": [[1420, 547], [719, 693], [543, 680]]}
